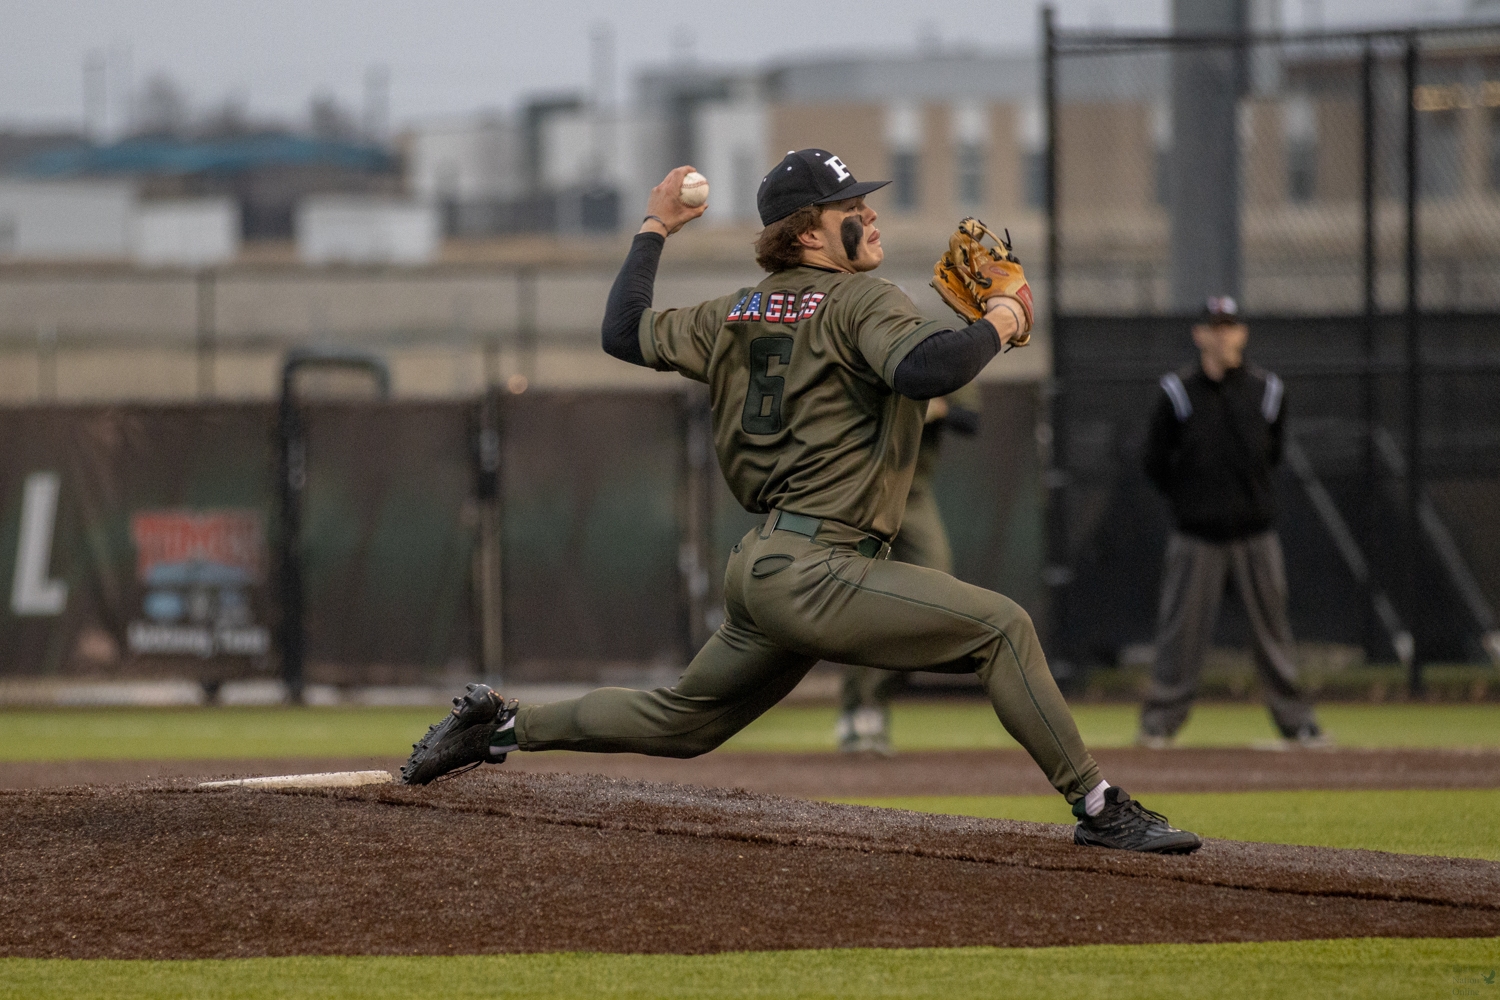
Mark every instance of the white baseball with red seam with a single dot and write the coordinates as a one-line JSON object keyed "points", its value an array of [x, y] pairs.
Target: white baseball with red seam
{"points": [[694, 189]]}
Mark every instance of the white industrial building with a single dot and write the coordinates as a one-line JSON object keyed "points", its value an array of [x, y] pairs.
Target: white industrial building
{"points": [[186, 232], [66, 220], [733, 139], [107, 220], [465, 159], [555, 164], [361, 229]]}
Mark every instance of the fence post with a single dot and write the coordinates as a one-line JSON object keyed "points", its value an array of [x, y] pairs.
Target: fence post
{"points": [[526, 319], [1371, 307], [1053, 437], [46, 363], [291, 480], [487, 575], [1049, 98], [207, 332], [1413, 363]]}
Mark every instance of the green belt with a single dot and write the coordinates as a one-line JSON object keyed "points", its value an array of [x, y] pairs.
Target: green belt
{"points": [[800, 524]]}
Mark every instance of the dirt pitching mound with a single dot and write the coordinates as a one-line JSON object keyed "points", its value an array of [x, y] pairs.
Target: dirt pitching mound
{"points": [[500, 861]]}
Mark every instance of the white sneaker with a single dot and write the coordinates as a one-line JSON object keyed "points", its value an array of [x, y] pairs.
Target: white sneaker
{"points": [[1151, 741], [870, 732], [869, 722], [1313, 738], [844, 735]]}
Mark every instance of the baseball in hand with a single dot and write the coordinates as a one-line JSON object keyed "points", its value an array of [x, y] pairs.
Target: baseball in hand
{"points": [[694, 189]]}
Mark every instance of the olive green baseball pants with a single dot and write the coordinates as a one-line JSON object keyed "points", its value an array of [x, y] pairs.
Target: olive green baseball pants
{"points": [[792, 600], [923, 541]]}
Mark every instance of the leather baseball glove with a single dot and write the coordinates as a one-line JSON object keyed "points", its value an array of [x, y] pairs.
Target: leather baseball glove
{"points": [[970, 273]]}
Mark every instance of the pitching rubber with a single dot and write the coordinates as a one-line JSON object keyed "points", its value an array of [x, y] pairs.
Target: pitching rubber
{"points": [[325, 779]]}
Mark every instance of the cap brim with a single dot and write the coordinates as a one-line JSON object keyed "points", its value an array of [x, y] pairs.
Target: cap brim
{"points": [[857, 190]]}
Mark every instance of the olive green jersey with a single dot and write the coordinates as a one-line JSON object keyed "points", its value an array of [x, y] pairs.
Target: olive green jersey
{"points": [[800, 371]]}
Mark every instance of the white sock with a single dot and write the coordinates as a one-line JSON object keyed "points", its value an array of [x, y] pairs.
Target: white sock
{"points": [[1093, 802]]}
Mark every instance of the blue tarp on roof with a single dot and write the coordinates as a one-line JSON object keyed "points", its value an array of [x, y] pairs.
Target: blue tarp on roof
{"points": [[224, 156]]}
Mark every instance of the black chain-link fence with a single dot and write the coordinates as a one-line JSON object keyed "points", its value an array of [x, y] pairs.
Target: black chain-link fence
{"points": [[1345, 188]]}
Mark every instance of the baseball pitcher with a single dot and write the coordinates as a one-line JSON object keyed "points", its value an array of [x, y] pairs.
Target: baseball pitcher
{"points": [[819, 380]]}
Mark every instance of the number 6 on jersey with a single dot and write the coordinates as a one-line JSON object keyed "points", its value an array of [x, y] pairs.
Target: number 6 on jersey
{"points": [[763, 399]]}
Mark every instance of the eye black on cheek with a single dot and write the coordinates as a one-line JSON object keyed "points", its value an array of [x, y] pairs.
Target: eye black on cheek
{"points": [[852, 232]]}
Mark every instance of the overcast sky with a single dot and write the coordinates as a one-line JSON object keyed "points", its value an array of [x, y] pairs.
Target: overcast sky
{"points": [[450, 57]]}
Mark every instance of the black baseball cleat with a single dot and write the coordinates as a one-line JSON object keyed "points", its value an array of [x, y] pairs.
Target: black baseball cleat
{"points": [[1126, 825], [463, 738]]}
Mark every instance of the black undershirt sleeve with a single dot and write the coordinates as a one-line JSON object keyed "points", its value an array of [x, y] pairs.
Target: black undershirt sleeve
{"points": [[946, 361], [630, 297]]}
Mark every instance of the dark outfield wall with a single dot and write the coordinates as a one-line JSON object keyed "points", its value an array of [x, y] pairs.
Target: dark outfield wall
{"points": [[141, 541]]}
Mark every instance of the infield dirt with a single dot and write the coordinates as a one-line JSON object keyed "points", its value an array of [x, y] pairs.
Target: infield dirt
{"points": [[504, 861]]}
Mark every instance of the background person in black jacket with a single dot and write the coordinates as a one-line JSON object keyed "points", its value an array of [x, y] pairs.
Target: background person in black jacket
{"points": [[1215, 439]]}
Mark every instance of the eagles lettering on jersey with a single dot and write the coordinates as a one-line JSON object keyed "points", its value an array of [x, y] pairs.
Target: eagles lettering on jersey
{"points": [[780, 307], [747, 308]]}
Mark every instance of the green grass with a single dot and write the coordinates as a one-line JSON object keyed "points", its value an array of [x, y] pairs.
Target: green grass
{"points": [[210, 734], [230, 733], [1459, 824], [1370, 968], [972, 725]]}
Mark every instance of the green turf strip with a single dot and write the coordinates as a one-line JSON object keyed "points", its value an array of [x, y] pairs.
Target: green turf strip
{"points": [[1357, 968], [211, 734], [230, 733], [1459, 824], [972, 724]]}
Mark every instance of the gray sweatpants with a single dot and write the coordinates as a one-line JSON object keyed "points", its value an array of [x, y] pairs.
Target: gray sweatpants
{"points": [[1192, 586]]}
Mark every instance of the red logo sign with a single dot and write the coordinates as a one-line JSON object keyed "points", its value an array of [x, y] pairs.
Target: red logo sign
{"points": [[232, 539]]}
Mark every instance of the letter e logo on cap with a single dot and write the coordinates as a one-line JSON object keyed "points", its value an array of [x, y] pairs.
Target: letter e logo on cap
{"points": [[837, 166]]}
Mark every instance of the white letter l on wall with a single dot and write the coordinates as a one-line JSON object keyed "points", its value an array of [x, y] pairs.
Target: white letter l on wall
{"points": [[31, 592]]}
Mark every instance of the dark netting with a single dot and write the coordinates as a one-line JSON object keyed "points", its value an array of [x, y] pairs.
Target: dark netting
{"points": [[386, 541], [590, 552]]}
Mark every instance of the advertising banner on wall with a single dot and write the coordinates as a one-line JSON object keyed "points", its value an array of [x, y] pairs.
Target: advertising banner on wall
{"points": [[141, 541], [199, 570]]}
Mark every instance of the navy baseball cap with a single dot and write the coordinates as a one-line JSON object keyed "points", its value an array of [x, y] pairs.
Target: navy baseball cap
{"points": [[807, 177]]}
